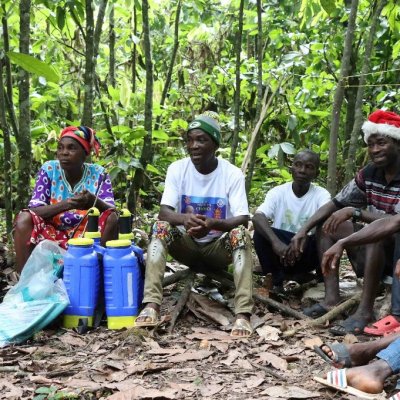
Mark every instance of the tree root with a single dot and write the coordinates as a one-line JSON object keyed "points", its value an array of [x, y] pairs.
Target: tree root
{"points": [[339, 309], [182, 300]]}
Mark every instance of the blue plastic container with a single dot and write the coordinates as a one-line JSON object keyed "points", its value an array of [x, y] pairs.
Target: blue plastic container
{"points": [[122, 280], [82, 280], [125, 232]]}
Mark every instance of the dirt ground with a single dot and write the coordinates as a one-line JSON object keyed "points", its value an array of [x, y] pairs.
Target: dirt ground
{"points": [[198, 360]]}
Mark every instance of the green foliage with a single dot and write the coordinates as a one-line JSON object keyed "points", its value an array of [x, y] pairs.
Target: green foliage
{"points": [[52, 393], [302, 47]]}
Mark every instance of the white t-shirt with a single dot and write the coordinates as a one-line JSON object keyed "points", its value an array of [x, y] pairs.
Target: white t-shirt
{"points": [[289, 212], [220, 194]]}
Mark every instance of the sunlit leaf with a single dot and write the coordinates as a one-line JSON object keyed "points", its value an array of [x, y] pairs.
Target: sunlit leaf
{"points": [[153, 169], [34, 66], [287, 148]]}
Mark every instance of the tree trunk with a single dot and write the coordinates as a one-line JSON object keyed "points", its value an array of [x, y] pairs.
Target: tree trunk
{"points": [[9, 103], [146, 156], [263, 113], [338, 99], [350, 162], [111, 69], [7, 166], [250, 170], [92, 41], [172, 63], [89, 79], [24, 134], [236, 98]]}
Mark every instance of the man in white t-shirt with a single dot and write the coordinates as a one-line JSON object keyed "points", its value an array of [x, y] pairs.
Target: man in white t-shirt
{"points": [[284, 211], [202, 222]]}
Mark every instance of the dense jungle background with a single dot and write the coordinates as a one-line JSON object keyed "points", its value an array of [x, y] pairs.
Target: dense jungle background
{"points": [[282, 75]]}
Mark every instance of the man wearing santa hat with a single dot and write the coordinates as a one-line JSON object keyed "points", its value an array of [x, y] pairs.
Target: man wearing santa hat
{"points": [[373, 194]]}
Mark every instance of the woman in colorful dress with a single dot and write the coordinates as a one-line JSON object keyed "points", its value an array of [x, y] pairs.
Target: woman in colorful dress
{"points": [[65, 189]]}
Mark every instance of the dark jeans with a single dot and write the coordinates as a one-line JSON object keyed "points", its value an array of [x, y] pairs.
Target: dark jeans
{"points": [[270, 262]]}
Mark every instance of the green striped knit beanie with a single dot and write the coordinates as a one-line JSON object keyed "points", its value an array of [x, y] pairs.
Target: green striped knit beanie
{"points": [[207, 122]]}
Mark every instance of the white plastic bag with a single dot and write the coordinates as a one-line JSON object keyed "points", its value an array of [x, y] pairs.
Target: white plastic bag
{"points": [[38, 297]]}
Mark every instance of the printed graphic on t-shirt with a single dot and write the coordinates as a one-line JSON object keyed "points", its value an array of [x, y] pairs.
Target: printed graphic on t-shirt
{"points": [[291, 223], [211, 207]]}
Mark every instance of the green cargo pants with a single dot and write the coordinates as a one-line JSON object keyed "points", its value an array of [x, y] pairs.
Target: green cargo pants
{"points": [[232, 247]]}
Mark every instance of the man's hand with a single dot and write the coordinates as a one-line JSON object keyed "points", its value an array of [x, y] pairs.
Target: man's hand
{"points": [[280, 249], [332, 223], [298, 243], [196, 225], [330, 259], [82, 201]]}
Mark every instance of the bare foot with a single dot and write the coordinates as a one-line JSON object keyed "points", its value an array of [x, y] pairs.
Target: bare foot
{"points": [[369, 378], [362, 353]]}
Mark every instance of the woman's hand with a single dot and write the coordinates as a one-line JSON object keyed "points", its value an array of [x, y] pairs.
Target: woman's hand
{"points": [[82, 201]]}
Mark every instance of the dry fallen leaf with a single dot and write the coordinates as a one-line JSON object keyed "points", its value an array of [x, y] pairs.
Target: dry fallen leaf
{"points": [[275, 361], [311, 342], [210, 389], [255, 381], [268, 332], [190, 355], [232, 356], [140, 392], [160, 351], [289, 392]]}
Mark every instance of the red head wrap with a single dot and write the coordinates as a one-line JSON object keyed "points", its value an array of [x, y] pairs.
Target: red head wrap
{"points": [[84, 135]]}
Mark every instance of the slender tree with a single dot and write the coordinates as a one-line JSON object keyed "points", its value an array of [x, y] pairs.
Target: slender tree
{"points": [[146, 156], [236, 99], [338, 98], [92, 41], [260, 55], [8, 95], [7, 167], [172, 62], [89, 76], [24, 133], [350, 163]]}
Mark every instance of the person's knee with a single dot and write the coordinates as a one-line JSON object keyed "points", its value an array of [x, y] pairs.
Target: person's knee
{"points": [[23, 223], [112, 220], [239, 238], [162, 230]]}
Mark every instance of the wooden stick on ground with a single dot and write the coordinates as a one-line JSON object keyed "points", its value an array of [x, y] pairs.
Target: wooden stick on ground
{"points": [[227, 279], [326, 317], [182, 300], [175, 277]]}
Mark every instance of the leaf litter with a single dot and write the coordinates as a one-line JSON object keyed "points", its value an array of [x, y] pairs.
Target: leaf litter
{"points": [[199, 360]]}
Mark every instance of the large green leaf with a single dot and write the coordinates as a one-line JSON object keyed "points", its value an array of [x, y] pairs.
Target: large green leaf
{"points": [[34, 66], [329, 6]]}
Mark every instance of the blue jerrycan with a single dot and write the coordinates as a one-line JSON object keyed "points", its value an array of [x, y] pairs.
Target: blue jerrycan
{"points": [[125, 232], [82, 280], [121, 284]]}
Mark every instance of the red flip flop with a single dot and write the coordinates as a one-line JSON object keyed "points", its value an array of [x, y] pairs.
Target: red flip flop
{"points": [[383, 326]]}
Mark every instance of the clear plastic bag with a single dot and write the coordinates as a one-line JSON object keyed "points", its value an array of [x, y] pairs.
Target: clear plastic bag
{"points": [[38, 297]]}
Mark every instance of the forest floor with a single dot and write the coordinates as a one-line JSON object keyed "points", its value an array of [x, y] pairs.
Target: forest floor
{"points": [[198, 360]]}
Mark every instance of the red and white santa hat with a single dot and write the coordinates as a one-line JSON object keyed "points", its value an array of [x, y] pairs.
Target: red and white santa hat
{"points": [[382, 122]]}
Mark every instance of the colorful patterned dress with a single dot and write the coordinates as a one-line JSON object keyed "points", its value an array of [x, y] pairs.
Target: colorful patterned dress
{"points": [[52, 187]]}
